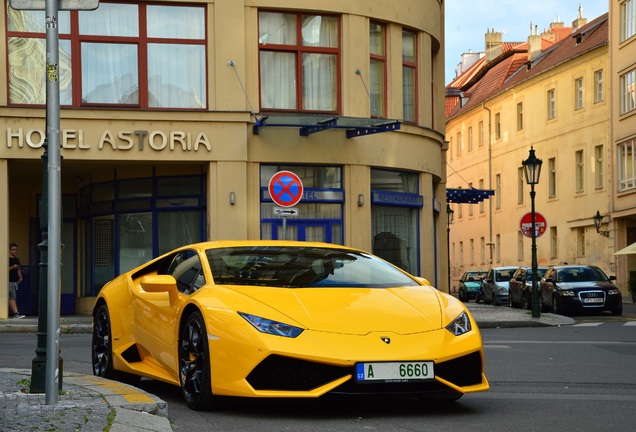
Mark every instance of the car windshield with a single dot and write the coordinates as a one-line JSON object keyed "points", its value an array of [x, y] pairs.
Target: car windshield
{"points": [[289, 266], [581, 274], [503, 275], [473, 277], [540, 273]]}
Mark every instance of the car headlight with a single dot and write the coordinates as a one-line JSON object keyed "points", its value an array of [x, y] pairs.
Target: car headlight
{"points": [[566, 293], [272, 327], [502, 290], [613, 291], [460, 325]]}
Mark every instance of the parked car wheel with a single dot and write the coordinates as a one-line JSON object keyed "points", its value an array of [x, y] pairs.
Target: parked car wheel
{"points": [[556, 308], [102, 350], [194, 364], [618, 310], [526, 301]]}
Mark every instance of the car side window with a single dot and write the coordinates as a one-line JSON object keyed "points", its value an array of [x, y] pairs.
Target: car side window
{"points": [[186, 269]]}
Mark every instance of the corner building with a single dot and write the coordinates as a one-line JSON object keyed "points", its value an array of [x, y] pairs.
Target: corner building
{"points": [[175, 116]]}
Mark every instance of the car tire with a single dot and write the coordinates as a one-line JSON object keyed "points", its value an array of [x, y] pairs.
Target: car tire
{"points": [[194, 364], [102, 350], [526, 303], [556, 309], [618, 311]]}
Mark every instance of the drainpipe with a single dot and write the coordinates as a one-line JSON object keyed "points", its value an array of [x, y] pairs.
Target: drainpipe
{"points": [[490, 243]]}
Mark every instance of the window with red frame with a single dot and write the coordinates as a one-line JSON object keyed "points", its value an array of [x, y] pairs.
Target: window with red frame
{"points": [[299, 62], [377, 48], [133, 55], [409, 76]]}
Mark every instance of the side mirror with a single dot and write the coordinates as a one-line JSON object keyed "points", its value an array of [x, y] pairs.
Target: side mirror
{"points": [[159, 289], [612, 278]]}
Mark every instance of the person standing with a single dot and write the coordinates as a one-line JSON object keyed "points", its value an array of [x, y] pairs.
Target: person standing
{"points": [[15, 277]]}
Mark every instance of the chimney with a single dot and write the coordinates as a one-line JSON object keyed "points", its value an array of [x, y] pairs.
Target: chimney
{"points": [[579, 21], [534, 43], [494, 44]]}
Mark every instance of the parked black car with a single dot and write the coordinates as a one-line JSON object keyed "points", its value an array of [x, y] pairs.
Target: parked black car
{"points": [[578, 289], [469, 284], [495, 285], [520, 286]]}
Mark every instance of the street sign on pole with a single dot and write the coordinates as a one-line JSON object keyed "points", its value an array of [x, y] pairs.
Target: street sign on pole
{"points": [[285, 188], [525, 225], [61, 4]]}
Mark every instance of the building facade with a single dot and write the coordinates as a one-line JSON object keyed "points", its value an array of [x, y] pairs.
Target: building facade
{"points": [[175, 117], [622, 214], [548, 93]]}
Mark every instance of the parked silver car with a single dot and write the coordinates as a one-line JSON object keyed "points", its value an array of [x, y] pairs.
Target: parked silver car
{"points": [[495, 285]]}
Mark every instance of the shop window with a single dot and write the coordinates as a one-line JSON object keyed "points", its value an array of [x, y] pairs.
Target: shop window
{"points": [[394, 217], [302, 49], [132, 55]]}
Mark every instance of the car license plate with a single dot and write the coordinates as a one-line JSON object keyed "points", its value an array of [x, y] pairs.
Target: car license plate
{"points": [[395, 372], [593, 300]]}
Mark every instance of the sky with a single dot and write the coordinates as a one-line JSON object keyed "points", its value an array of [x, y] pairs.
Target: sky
{"points": [[468, 20]]}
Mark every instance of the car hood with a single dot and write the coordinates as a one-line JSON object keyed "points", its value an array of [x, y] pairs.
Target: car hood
{"points": [[585, 285], [357, 311]]}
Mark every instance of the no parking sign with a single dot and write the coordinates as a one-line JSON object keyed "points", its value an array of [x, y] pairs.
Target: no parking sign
{"points": [[285, 188]]}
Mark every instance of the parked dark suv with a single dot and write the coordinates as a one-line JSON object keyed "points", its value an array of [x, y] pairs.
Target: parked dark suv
{"points": [[520, 286], [578, 289]]}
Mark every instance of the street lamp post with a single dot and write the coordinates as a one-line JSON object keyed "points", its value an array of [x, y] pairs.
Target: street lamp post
{"points": [[532, 167], [449, 215]]}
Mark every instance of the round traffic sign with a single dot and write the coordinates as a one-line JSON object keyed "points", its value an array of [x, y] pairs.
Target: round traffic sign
{"points": [[526, 224], [285, 188]]}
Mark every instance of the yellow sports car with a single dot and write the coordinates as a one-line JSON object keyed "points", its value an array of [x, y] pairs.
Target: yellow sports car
{"points": [[281, 319]]}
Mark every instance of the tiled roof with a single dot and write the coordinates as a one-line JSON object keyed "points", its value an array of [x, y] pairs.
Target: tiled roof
{"points": [[484, 80]]}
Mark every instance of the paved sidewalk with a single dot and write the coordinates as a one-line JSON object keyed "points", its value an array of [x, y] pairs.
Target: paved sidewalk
{"points": [[86, 403], [94, 404]]}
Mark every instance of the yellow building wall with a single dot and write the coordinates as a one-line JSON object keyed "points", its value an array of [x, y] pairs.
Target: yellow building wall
{"points": [[571, 212]]}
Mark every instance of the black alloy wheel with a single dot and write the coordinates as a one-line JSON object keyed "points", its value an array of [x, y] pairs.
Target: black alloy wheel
{"points": [[102, 349], [194, 364]]}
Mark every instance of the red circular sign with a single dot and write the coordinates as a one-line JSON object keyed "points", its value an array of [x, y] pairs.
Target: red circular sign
{"points": [[526, 224], [285, 188]]}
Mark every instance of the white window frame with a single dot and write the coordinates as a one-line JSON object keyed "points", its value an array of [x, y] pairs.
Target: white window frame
{"points": [[628, 20], [551, 99], [598, 86], [627, 165], [579, 94], [579, 171], [599, 169], [628, 91], [552, 186]]}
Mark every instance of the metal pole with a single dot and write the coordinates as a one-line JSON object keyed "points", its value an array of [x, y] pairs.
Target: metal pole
{"points": [[536, 310], [55, 198], [448, 253], [38, 364], [284, 227]]}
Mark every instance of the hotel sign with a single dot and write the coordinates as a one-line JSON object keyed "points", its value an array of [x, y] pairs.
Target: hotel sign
{"points": [[75, 139]]}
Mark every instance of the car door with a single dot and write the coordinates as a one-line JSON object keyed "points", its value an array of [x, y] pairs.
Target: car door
{"points": [[156, 315], [517, 282], [546, 287], [488, 285]]}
